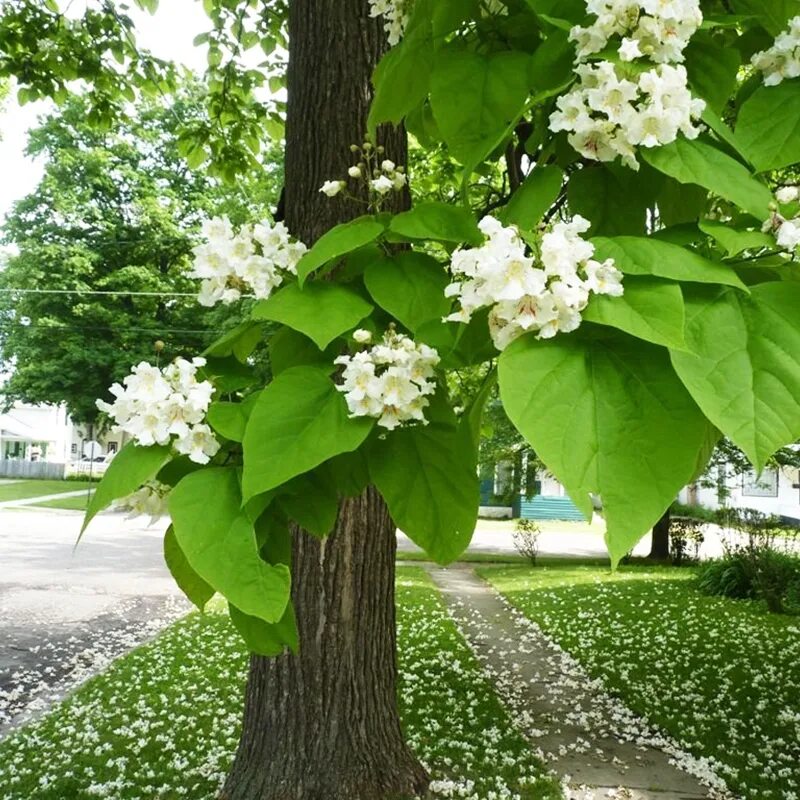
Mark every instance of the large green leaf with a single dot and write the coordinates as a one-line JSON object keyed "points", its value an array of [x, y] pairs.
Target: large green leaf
{"points": [[337, 242], [772, 14], [614, 199], [637, 255], [299, 421], [219, 543], [743, 368], [475, 97], [735, 241], [410, 286], [190, 583], [312, 502], [441, 221], [401, 78], [458, 344], [696, 161], [230, 419], [288, 348], [712, 70], [429, 479], [321, 310], [534, 198], [768, 127], [650, 309], [128, 470], [609, 417], [264, 638], [239, 342]]}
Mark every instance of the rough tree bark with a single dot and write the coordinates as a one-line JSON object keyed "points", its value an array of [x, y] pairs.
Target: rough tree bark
{"points": [[659, 548], [324, 725]]}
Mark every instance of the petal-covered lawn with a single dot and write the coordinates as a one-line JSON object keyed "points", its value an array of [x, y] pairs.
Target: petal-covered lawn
{"points": [[163, 722], [722, 677]]}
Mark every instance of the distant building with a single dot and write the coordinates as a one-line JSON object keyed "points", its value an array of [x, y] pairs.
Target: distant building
{"points": [[46, 433]]}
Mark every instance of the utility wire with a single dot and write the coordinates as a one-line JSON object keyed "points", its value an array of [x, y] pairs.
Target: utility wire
{"points": [[98, 292]]}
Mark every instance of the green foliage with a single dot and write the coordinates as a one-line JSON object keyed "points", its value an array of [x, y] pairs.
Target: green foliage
{"points": [[128, 470], [651, 309], [299, 421], [768, 126], [322, 311], [438, 221], [625, 414], [534, 198], [699, 162], [219, 542], [763, 413], [117, 213], [190, 583], [337, 242], [410, 286]]}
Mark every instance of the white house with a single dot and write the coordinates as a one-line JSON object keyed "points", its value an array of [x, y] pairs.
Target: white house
{"points": [[46, 433], [776, 491]]}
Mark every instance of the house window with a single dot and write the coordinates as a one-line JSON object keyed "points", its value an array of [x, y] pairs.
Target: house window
{"points": [[764, 485], [111, 447], [74, 448]]}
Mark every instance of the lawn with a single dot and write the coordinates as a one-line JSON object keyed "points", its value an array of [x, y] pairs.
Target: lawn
{"points": [[163, 722], [722, 677], [68, 503], [22, 490]]}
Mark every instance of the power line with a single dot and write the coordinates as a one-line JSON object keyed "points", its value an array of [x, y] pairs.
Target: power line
{"points": [[154, 331], [98, 292]]}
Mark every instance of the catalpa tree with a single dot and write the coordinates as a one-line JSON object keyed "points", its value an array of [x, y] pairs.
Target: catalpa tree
{"points": [[635, 294]]}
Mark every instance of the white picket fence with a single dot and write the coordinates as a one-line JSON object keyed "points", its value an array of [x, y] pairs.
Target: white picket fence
{"points": [[11, 468]]}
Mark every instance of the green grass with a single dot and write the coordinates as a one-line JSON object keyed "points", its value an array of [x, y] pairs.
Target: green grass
{"points": [[162, 722], [66, 503], [722, 677], [22, 490], [506, 558]]}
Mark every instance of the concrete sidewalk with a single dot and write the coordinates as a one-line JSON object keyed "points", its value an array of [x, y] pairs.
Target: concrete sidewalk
{"points": [[599, 747], [31, 501]]}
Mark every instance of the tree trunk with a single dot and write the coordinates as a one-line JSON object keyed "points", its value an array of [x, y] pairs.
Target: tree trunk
{"points": [[659, 549], [324, 725]]}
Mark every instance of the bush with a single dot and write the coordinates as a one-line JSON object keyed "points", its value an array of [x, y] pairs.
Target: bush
{"points": [[699, 513], [685, 539], [526, 539], [753, 565]]}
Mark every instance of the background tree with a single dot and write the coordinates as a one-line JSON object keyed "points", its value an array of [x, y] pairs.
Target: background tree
{"points": [[116, 212]]}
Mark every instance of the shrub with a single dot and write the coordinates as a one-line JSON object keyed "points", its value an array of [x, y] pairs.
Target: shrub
{"points": [[753, 565], [685, 539], [526, 539], [699, 513]]}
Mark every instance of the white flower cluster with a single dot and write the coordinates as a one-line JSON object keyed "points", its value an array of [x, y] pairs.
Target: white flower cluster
{"points": [[608, 114], [547, 298], [396, 13], [654, 29], [154, 405], [390, 381], [255, 260], [786, 230], [782, 60], [149, 500], [608, 117], [380, 178]]}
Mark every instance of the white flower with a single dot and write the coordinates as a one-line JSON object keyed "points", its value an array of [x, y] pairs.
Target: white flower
{"points": [[362, 336], [199, 444], [165, 406], [607, 117], [782, 60], [332, 188], [396, 13], [255, 260], [354, 172], [390, 381], [629, 50], [787, 194], [382, 185], [788, 234], [545, 298], [150, 500]]}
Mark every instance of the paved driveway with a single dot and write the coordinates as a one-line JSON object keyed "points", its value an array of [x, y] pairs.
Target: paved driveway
{"points": [[66, 612]]}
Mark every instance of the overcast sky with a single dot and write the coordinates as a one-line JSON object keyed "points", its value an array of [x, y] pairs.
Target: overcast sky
{"points": [[168, 34]]}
